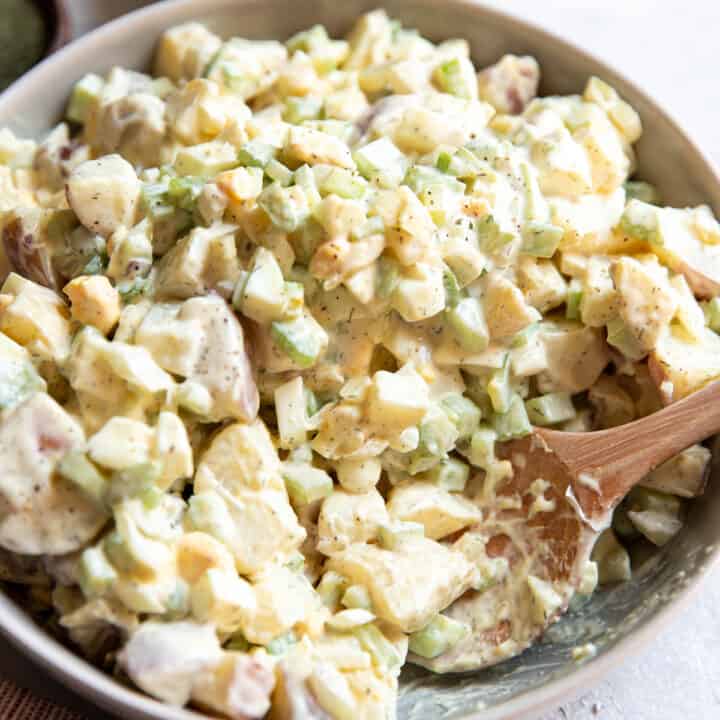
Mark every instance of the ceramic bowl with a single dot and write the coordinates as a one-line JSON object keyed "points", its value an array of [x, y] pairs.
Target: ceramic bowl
{"points": [[618, 620]]}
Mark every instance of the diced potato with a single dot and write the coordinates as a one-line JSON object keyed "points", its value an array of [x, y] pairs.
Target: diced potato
{"points": [[198, 552], [684, 475], [94, 302], [397, 400], [172, 448], [121, 443], [223, 599], [541, 283], [510, 84], [506, 309], [611, 403], [347, 518], [310, 146], [563, 165], [358, 475], [408, 585], [599, 300], [545, 600], [612, 559], [104, 194], [420, 292], [184, 51], [441, 513]]}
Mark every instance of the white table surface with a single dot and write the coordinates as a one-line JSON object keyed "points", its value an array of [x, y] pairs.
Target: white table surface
{"points": [[677, 676]]}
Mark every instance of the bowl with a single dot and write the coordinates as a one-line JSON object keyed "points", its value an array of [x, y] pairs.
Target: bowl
{"points": [[618, 620]]}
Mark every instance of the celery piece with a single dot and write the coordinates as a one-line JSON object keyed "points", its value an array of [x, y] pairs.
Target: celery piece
{"points": [[463, 412], [444, 159], [620, 337], [256, 154], [393, 534], [331, 588], [77, 469], [438, 433], [453, 291], [450, 474], [84, 95], [96, 574], [136, 481], [438, 636], [302, 339], [131, 290], [381, 162], [382, 651], [573, 300], [155, 200], [284, 212], [640, 220], [372, 226], [420, 177], [490, 237], [18, 380], [550, 409], [450, 79], [357, 596], [465, 164], [387, 278], [482, 447], [183, 192], [311, 402], [278, 172], [299, 109], [305, 178], [643, 191], [306, 483], [514, 423], [541, 239], [499, 389], [339, 181], [467, 320], [281, 644], [711, 309]]}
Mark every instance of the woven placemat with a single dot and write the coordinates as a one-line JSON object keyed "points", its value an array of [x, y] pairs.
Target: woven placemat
{"points": [[19, 704]]}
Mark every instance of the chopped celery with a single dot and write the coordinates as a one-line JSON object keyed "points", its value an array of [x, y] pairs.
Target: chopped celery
{"points": [[299, 109], [482, 447], [453, 291], [380, 161], [393, 534], [183, 192], [85, 94], [96, 573], [573, 299], [490, 237], [514, 423], [305, 178], [640, 220], [550, 409], [306, 483], [541, 239], [283, 206], [438, 636], [450, 474], [77, 469], [640, 190], [499, 389], [372, 226], [256, 154], [387, 278], [420, 177], [463, 412], [620, 337], [206, 160], [467, 320], [281, 644], [444, 159], [438, 433], [278, 172], [339, 181], [357, 596], [302, 339], [382, 651], [462, 164], [331, 588], [711, 308], [133, 289], [450, 78]]}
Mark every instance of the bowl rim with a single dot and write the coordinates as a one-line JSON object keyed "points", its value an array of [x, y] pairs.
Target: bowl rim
{"points": [[99, 687]]}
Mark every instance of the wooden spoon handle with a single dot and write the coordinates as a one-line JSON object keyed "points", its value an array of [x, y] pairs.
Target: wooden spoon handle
{"points": [[606, 464]]}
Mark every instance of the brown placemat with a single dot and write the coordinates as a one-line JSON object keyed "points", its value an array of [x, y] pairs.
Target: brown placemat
{"points": [[19, 704]]}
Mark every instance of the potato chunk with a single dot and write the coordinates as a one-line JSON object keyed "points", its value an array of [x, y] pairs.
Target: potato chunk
{"points": [[94, 302], [409, 585]]}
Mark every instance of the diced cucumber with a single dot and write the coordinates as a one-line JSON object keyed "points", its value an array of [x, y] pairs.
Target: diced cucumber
{"points": [[96, 573], [438, 636], [206, 160], [357, 596], [514, 423], [391, 535], [541, 239], [450, 474], [256, 154], [482, 447], [499, 389], [467, 320], [287, 207], [463, 412], [550, 409], [306, 483], [299, 109], [382, 651], [453, 291], [339, 181], [573, 299], [85, 95], [643, 191], [77, 469], [278, 172], [303, 339], [382, 162]]}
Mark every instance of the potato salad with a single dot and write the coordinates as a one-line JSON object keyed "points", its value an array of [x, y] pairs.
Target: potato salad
{"points": [[270, 314]]}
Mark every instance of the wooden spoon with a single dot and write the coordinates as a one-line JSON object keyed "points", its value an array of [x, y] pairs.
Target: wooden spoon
{"points": [[544, 520]]}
